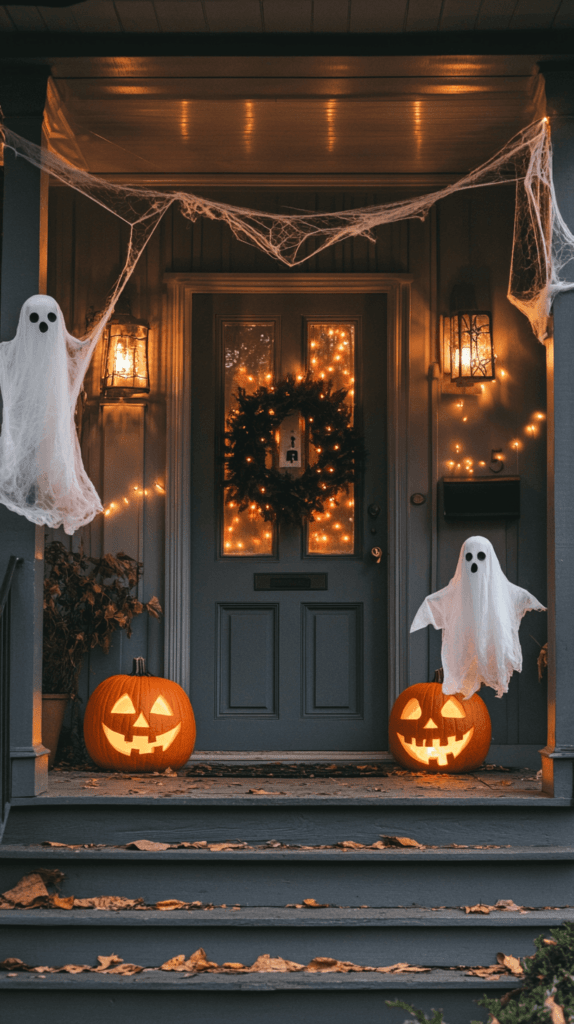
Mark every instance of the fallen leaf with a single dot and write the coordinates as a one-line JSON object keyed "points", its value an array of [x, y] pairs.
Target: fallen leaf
{"points": [[324, 964], [379, 845], [107, 903], [416, 970], [549, 942], [147, 844], [348, 844], [486, 972], [105, 962], [272, 965], [556, 1011], [48, 843], [177, 963], [30, 891], [393, 969], [264, 792], [170, 771], [235, 967], [217, 847], [12, 963], [124, 969], [479, 908], [62, 902], [509, 905], [74, 968], [313, 903], [170, 905], [43, 970], [401, 841], [512, 964]]}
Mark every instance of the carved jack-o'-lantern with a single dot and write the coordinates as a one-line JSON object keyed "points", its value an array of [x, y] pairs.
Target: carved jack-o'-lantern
{"points": [[434, 732], [139, 723]]}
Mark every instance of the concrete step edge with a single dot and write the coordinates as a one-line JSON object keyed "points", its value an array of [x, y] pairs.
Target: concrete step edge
{"points": [[529, 800], [282, 917], [162, 981]]}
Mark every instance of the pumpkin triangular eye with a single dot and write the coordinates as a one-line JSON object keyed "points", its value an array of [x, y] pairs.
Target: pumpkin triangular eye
{"points": [[412, 709], [124, 706], [161, 707], [452, 709]]}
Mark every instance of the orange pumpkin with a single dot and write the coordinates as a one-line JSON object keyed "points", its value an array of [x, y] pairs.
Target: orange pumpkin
{"points": [[434, 732], [139, 723]]}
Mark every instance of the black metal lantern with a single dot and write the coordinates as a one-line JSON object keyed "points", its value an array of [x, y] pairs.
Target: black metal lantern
{"points": [[125, 367], [471, 347]]}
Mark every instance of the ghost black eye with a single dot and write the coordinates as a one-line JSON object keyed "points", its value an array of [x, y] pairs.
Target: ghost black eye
{"points": [[51, 317], [481, 555], [43, 327], [34, 318], [474, 567], [469, 557]]}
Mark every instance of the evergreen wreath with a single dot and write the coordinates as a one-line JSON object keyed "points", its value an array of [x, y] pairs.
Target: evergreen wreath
{"points": [[279, 496]]}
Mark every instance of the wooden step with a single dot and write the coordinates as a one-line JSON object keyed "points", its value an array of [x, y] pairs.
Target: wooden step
{"points": [[372, 937], [314, 820], [243, 999], [273, 877]]}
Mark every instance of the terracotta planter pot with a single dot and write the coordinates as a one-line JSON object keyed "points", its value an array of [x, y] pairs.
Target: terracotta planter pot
{"points": [[53, 709]]}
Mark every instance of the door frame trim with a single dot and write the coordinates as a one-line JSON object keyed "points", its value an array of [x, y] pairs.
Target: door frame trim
{"points": [[179, 301]]}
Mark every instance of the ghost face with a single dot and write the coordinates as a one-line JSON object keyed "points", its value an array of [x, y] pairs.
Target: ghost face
{"points": [[474, 556], [38, 314]]}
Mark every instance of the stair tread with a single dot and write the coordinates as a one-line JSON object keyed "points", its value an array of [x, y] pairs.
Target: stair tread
{"points": [[162, 980], [527, 798], [505, 853], [282, 917]]}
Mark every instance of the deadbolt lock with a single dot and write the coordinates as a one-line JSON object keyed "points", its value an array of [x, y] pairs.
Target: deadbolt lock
{"points": [[374, 510]]}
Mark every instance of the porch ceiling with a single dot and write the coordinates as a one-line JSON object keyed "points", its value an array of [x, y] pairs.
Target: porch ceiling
{"points": [[376, 119]]}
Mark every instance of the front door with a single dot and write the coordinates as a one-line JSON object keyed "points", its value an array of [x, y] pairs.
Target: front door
{"points": [[289, 625]]}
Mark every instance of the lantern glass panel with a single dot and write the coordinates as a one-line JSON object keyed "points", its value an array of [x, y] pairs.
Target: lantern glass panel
{"points": [[472, 355], [126, 362]]}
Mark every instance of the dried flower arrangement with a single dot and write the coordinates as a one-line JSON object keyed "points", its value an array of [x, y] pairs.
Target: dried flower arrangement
{"points": [[86, 600]]}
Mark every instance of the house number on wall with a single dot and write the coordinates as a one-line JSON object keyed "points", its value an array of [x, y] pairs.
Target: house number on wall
{"points": [[290, 439]]}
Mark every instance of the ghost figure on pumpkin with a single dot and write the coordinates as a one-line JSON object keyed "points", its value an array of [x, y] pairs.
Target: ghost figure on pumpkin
{"points": [[42, 476], [479, 613]]}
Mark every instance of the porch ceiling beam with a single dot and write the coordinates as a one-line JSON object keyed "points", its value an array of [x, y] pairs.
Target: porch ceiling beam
{"points": [[50, 45]]}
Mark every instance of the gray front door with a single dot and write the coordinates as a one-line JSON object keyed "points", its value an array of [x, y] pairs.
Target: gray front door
{"points": [[280, 668]]}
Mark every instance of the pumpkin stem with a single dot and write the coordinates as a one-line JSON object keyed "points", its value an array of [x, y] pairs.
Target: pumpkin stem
{"points": [[139, 668], [438, 676]]}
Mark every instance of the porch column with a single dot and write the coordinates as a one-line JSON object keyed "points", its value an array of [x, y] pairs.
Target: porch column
{"points": [[22, 98], [558, 755]]}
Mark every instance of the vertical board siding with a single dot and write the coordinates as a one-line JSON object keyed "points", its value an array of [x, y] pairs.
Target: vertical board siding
{"points": [[87, 248]]}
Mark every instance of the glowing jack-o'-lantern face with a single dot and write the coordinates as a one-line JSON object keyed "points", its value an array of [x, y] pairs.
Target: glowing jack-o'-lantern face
{"points": [[139, 723], [432, 731]]}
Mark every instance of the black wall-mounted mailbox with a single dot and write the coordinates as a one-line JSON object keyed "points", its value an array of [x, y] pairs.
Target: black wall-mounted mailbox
{"points": [[481, 497]]}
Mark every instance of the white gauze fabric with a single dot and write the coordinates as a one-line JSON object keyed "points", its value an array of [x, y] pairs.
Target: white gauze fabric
{"points": [[479, 613], [41, 371]]}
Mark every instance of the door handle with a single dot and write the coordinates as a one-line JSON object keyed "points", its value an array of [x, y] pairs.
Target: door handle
{"points": [[377, 554]]}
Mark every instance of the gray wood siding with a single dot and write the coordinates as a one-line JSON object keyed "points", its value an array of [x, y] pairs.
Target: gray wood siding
{"points": [[86, 250]]}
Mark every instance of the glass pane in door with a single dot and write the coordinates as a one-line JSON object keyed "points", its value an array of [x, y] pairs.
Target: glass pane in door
{"points": [[331, 356], [248, 362]]}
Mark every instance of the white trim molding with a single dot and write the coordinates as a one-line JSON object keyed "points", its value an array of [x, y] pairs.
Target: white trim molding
{"points": [[180, 291]]}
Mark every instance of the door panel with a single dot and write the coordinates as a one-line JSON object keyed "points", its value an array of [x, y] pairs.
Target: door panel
{"points": [[290, 672]]}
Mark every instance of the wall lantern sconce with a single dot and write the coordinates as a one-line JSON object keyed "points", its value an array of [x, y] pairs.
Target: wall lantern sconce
{"points": [[471, 347], [125, 365]]}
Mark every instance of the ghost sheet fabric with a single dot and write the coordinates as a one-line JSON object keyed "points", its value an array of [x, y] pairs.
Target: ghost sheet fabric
{"points": [[42, 476], [479, 613]]}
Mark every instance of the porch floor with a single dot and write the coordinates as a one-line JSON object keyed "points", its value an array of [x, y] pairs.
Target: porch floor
{"points": [[390, 783]]}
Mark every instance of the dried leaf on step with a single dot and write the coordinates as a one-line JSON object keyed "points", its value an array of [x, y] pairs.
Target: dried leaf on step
{"points": [[147, 844], [74, 968], [200, 845], [327, 965], [269, 964], [30, 891], [217, 847], [108, 903], [177, 963], [170, 905], [556, 1011], [43, 970], [486, 972], [479, 908], [105, 962], [415, 970], [512, 964], [510, 905], [348, 844], [401, 841], [48, 843], [12, 963], [393, 969], [379, 845], [198, 961], [124, 969], [62, 902], [264, 792], [313, 903], [235, 967]]}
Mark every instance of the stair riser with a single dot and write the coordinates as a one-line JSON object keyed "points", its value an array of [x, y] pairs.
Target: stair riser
{"points": [[375, 945], [240, 1008], [345, 882], [306, 825]]}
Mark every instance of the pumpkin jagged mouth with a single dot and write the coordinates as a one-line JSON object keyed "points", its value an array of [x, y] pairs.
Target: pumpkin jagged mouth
{"points": [[437, 751], [140, 743]]}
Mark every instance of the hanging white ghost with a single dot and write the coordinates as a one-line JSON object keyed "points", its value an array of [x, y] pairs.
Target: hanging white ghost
{"points": [[42, 475], [479, 613]]}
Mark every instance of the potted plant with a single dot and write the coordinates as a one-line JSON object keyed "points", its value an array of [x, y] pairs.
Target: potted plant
{"points": [[86, 600]]}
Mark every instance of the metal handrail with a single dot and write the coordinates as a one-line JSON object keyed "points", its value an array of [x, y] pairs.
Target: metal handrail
{"points": [[5, 636]]}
